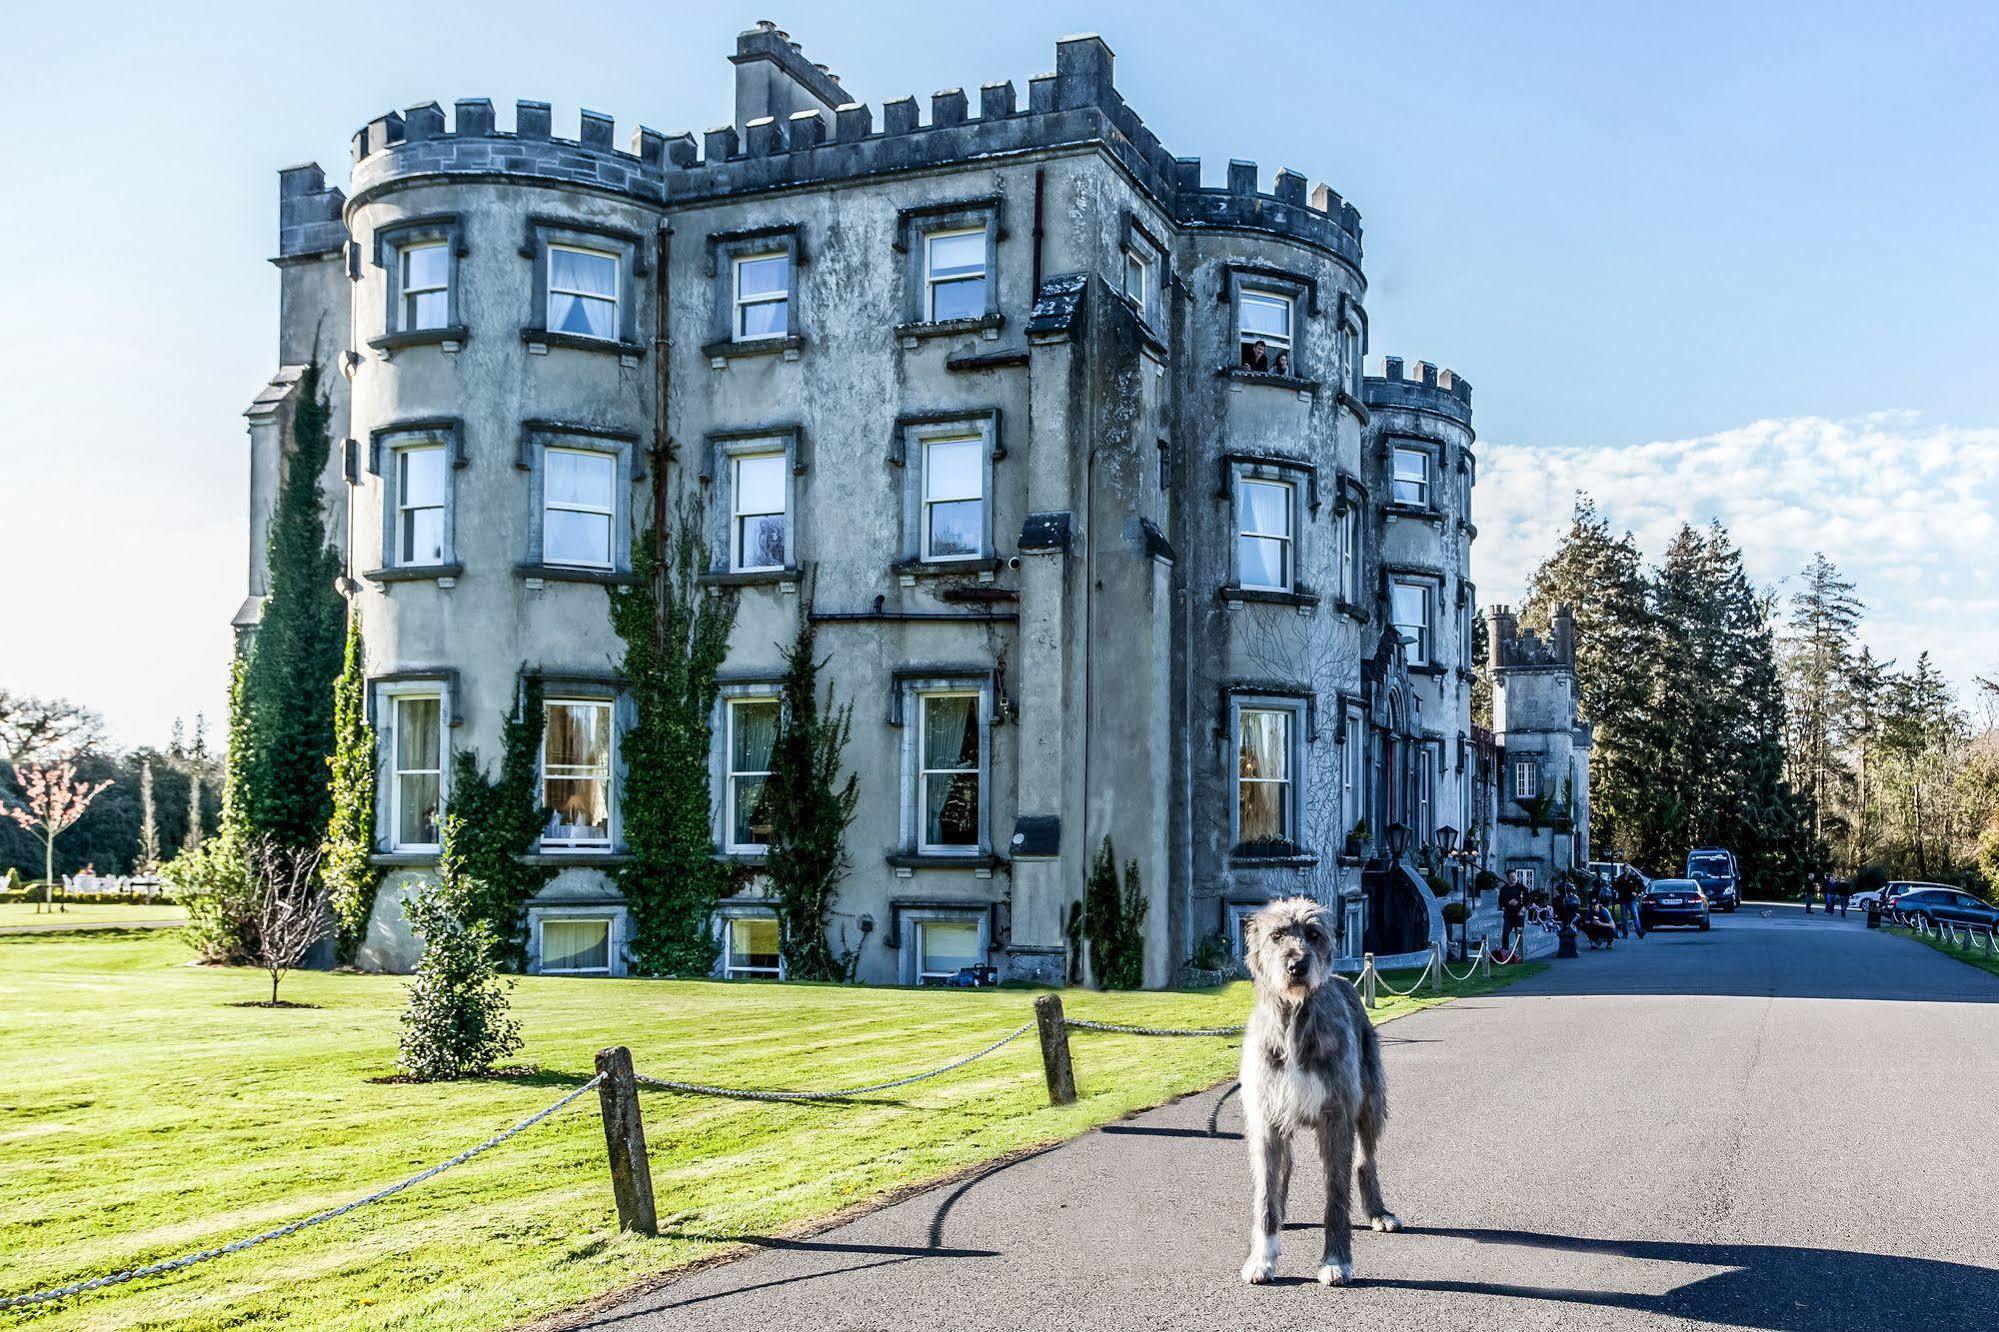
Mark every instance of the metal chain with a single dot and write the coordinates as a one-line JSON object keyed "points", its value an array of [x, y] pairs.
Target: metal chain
{"points": [[751, 1094], [1123, 1030], [202, 1256]]}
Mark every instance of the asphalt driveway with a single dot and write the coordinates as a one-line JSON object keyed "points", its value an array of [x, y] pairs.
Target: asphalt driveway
{"points": [[1672, 1134]]}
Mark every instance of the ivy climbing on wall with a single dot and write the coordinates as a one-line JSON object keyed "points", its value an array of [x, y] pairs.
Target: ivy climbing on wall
{"points": [[500, 818]]}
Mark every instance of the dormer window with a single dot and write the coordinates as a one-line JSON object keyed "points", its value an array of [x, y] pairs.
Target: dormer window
{"points": [[1263, 331], [762, 296], [582, 292], [954, 275]]}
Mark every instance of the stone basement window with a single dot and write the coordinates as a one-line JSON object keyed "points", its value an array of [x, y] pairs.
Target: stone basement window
{"points": [[750, 948], [946, 946], [575, 946], [419, 262]]}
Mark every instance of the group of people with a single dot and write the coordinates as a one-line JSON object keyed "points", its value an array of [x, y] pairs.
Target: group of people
{"points": [[1256, 356], [1831, 891], [1602, 912]]}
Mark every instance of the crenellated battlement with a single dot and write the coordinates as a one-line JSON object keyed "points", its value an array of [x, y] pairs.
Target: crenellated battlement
{"points": [[1391, 383], [827, 139]]}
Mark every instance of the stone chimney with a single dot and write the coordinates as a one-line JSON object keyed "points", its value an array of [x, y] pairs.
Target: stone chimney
{"points": [[775, 80]]}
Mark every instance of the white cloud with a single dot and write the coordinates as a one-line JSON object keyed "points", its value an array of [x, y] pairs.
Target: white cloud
{"points": [[1905, 509]]}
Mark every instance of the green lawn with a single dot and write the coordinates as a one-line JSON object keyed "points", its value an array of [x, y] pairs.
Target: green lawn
{"points": [[143, 1114], [83, 914], [1977, 957]]}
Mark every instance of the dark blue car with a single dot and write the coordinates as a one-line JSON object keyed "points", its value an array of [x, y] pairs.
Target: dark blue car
{"points": [[1938, 905]]}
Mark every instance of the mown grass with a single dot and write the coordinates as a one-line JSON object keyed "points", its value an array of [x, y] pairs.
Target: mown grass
{"points": [[82, 914], [1977, 957], [143, 1114]]}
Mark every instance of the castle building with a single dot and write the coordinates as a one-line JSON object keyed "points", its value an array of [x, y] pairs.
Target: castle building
{"points": [[1539, 802], [1105, 531]]}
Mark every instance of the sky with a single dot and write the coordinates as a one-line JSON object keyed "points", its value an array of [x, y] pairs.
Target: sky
{"points": [[1702, 261]]}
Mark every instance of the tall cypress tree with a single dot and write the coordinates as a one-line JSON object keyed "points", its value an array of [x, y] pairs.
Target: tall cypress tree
{"points": [[808, 808], [350, 834], [295, 655]]}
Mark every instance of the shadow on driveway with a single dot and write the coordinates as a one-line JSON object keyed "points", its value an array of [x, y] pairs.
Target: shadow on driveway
{"points": [[1773, 1287]]}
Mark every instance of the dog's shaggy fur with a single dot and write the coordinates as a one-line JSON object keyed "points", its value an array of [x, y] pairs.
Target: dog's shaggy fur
{"points": [[1310, 1060]]}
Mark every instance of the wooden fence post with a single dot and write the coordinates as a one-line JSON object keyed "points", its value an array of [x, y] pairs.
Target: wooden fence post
{"points": [[1055, 1050], [625, 1140]]}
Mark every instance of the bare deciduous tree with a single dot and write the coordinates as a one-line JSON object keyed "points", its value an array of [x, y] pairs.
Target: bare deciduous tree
{"points": [[292, 911]]}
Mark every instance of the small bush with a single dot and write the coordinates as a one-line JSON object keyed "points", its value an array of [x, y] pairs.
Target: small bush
{"points": [[1114, 923], [1456, 913], [456, 1024], [1211, 953], [223, 905]]}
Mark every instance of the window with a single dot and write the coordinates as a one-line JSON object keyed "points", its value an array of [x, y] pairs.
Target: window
{"points": [[763, 296], [752, 733], [575, 947], [750, 948], [582, 292], [1263, 329], [1350, 553], [758, 495], [1350, 344], [1263, 534], [1412, 477], [1526, 780], [417, 750], [1425, 785], [1351, 769], [950, 804], [1138, 280], [420, 485], [954, 275], [580, 498], [576, 773], [954, 505], [946, 947], [424, 280], [1409, 609], [1263, 776]]}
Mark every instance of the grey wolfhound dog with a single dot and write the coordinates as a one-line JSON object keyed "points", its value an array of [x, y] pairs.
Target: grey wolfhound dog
{"points": [[1310, 1060]]}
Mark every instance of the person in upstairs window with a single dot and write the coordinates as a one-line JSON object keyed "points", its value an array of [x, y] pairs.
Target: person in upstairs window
{"points": [[1256, 356], [1282, 365]]}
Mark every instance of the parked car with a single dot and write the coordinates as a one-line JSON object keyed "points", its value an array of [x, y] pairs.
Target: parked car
{"points": [[1860, 901], [1894, 892], [1937, 904], [1714, 868], [1673, 902]]}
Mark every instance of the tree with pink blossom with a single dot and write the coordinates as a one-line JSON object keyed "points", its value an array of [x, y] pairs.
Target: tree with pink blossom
{"points": [[53, 801]]}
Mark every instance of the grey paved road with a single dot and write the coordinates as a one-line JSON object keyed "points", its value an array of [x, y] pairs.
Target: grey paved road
{"points": [[1670, 1135]]}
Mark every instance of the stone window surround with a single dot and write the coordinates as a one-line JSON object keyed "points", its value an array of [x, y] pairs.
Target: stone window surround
{"points": [[1352, 740], [1270, 696], [383, 443], [904, 913], [630, 249], [721, 449], [381, 693], [389, 241], [1352, 319], [724, 248], [585, 686], [1350, 500], [733, 688], [1391, 574], [1134, 235], [726, 913], [912, 432], [1518, 763], [1440, 461], [904, 687], [912, 227], [1303, 478], [1301, 288], [614, 914], [537, 437]]}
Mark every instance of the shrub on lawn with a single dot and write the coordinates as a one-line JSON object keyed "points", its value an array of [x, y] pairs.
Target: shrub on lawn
{"points": [[456, 1023], [214, 882], [1114, 923]]}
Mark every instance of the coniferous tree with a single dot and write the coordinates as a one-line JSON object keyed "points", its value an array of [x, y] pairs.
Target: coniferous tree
{"points": [[295, 655], [675, 638], [350, 834], [1114, 922], [1824, 624], [1601, 577], [808, 808]]}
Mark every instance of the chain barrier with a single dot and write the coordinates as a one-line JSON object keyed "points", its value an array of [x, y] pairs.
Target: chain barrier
{"points": [[203, 1255], [753, 1094], [1123, 1030]]}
